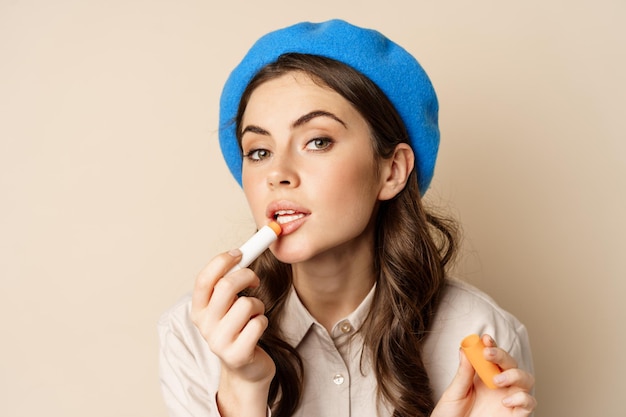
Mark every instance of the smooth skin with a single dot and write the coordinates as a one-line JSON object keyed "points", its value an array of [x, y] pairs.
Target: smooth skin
{"points": [[310, 163]]}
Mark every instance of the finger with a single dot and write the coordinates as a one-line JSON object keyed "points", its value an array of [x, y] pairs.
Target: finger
{"points": [[488, 341], [228, 329], [462, 382], [241, 312], [225, 293], [208, 277], [515, 378], [251, 333], [522, 402], [500, 357], [511, 376]]}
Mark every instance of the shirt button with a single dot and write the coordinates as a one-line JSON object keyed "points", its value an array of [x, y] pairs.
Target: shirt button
{"points": [[346, 327], [338, 379]]}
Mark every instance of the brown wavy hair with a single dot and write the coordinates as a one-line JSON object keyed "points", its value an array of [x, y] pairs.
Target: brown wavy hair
{"points": [[412, 248]]}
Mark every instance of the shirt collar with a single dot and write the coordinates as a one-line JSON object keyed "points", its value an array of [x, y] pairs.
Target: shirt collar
{"points": [[296, 320]]}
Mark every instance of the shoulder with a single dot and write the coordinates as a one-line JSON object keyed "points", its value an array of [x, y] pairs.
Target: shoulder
{"points": [[463, 310], [179, 309], [179, 338], [188, 370], [473, 308], [175, 322]]}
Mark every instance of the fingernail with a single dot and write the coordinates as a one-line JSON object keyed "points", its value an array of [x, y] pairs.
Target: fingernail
{"points": [[499, 379], [491, 352], [235, 253], [507, 401], [493, 342]]}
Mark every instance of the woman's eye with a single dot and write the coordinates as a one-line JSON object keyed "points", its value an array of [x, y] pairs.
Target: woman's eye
{"points": [[258, 154], [319, 144]]}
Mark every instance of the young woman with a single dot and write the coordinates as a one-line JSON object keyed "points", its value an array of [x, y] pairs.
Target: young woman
{"points": [[332, 131]]}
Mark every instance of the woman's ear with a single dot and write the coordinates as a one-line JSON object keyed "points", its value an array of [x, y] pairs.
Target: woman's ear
{"points": [[395, 171]]}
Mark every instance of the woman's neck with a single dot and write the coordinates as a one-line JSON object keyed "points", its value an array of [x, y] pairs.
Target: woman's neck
{"points": [[334, 285]]}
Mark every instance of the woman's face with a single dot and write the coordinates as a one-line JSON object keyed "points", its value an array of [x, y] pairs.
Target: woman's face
{"points": [[309, 164]]}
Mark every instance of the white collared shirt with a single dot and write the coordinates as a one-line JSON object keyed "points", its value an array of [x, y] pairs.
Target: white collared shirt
{"points": [[336, 381]]}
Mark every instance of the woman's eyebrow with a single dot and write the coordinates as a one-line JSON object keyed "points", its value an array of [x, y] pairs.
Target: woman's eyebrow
{"points": [[255, 129], [299, 122], [316, 113]]}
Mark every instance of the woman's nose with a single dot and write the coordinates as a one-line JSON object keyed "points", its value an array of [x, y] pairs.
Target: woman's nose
{"points": [[282, 173]]}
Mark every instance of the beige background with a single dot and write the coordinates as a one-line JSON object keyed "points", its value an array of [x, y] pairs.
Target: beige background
{"points": [[114, 195]]}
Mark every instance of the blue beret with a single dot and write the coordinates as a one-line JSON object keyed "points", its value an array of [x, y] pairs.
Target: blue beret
{"points": [[396, 72]]}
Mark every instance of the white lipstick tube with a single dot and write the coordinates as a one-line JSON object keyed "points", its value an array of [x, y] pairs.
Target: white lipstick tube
{"points": [[257, 244]]}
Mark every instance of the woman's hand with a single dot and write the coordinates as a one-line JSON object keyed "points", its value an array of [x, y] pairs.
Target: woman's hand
{"points": [[232, 326], [468, 396]]}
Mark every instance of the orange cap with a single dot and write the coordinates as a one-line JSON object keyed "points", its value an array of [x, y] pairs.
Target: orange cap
{"points": [[473, 347], [276, 228]]}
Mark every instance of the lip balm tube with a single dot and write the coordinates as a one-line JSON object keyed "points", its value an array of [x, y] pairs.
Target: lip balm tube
{"points": [[257, 244], [473, 347]]}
